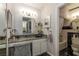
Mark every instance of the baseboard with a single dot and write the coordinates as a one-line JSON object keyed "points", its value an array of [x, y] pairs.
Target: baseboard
{"points": [[50, 53]]}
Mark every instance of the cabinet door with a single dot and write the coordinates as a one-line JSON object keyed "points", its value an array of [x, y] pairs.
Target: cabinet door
{"points": [[36, 47], [43, 44]]}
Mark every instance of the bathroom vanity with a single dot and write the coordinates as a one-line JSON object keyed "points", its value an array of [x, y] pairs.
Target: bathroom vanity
{"points": [[38, 45]]}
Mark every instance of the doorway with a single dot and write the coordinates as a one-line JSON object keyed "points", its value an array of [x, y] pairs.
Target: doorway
{"points": [[68, 37]]}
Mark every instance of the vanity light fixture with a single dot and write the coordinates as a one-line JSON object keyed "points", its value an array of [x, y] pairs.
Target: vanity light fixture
{"points": [[75, 13], [28, 12]]}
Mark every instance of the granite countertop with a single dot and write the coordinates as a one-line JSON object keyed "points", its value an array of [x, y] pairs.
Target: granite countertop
{"points": [[22, 35], [21, 38], [19, 41], [27, 35], [2, 36]]}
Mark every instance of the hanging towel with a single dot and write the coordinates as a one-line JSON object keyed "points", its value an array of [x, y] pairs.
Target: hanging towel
{"points": [[50, 36], [23, 50]]}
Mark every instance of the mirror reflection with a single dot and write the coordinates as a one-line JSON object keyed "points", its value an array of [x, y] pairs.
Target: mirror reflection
{"points": [[26, 25]]}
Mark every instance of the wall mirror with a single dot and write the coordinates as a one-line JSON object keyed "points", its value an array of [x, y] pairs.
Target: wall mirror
{"points": [[9, 19], [26, 25]]}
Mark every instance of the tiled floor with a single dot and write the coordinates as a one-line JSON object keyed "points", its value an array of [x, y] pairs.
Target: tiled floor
{"points": [[44, 54], [64, 53]]}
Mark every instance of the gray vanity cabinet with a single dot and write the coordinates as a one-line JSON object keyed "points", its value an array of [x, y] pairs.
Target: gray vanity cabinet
{"points": [[36, 47], [39, 46], [43, 44]]}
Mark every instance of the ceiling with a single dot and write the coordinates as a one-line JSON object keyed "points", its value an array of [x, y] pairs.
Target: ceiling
{"points": [[70, 14], [38, 5], [35, 5]]}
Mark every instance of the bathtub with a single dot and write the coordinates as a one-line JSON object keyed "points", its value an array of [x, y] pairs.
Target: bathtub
{"points": [[62, 45]]}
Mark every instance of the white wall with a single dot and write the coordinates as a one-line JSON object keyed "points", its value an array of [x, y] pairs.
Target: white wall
{"points": [[43, 10], [55, 27], [45, 16], [17, 15], [2, 19], [46, 12]]}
